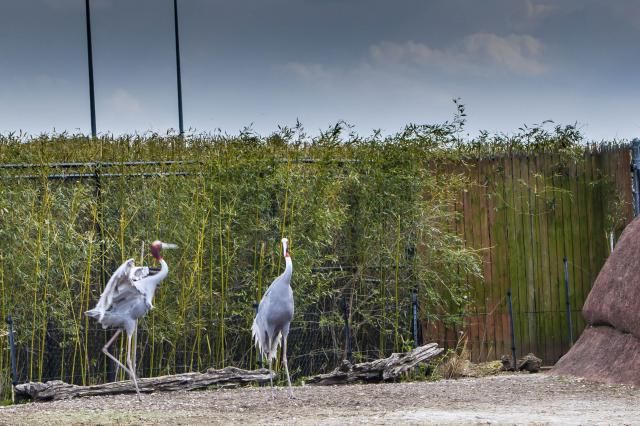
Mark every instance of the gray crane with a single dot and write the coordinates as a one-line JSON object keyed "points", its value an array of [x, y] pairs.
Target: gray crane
{"points": [[275, 312], [126, 298]]}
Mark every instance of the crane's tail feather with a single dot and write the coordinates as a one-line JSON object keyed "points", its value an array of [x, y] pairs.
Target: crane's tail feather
{"points": [[261, 338], [95, 313]]}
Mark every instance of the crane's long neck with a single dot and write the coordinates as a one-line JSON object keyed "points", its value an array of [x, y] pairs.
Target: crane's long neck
{"points": [[162, 274], [288, 269], [152, 281]]}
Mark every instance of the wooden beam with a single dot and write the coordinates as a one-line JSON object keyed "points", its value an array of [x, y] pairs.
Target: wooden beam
{"points": [[57, 389]]}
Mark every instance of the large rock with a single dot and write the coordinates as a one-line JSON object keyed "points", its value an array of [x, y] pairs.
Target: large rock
{"points": [[609, 348], [603, 354], [615, 297]]}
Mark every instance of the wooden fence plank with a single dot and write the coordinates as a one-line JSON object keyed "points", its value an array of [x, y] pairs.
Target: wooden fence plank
{"points": [[625, 183], [545, 282], [469, 236], [553, 218], [536, 255], [488, 336], [505, 211], [495, 183], [461, 231], [479, 288], [512, 243], [575, 278], [520, 300], [527, 214], [529, 255], [591, 213], [567, 244]]}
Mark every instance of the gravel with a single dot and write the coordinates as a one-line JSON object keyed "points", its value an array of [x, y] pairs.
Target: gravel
{"points": [[502, 399]]}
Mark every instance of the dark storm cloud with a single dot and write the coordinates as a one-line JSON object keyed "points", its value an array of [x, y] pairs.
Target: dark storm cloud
{"points": [[374, 63]]}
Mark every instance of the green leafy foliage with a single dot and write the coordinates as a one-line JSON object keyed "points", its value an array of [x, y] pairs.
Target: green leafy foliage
{"points": [[368, 220]]}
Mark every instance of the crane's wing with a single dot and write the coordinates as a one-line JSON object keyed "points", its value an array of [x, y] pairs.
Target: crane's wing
{"points": [[138, 272], [120, 282]]}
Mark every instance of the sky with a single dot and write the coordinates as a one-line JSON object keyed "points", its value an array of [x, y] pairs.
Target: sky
{"points": [[374, 64]]}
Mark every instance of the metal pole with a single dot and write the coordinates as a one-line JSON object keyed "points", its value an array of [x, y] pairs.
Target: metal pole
{"points": [[178, 74], [92, 98], [12, 347], [414, 303], [260, 360], [635, 170], [513, 335], [566, 290], [347, 331]]}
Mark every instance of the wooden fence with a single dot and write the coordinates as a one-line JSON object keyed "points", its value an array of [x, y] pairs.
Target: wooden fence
{"points": [[524, 215]]}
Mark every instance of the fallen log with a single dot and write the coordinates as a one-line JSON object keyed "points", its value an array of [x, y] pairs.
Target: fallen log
{"points": [[385, 369], [57, 389]]}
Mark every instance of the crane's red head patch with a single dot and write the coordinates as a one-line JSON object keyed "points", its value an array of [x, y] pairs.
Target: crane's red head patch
{"points": [[156, 248]]}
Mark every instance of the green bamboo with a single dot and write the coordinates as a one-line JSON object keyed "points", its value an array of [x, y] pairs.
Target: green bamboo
{"points": [[222, 284], [35, 310], [45, 319], [84, 306], [396, 339], [3, 309], [342, 199]]}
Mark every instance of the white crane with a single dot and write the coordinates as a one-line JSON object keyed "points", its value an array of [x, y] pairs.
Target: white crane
{"points": [[126, 298], [275, 312]]}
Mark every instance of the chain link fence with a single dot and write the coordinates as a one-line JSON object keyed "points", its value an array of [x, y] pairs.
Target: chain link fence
{"points": [[317, 343]]}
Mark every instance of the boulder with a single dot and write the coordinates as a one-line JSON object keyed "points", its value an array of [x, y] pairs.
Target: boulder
{"points": [[614, 299], [608, 350]]}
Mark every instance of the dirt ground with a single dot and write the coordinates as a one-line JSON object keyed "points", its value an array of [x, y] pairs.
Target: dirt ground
{"points": [[503, 399]]}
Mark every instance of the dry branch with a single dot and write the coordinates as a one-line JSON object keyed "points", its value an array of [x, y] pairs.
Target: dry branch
{"points": [[57, 389], [379, 370]]}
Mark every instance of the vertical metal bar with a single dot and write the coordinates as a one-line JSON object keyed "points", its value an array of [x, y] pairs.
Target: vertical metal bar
{"points": [[12, 347], [513, 335], [635, 171], [100, 229], [566, 290], [178, 73], [414, 306], [260, 360], [347, 331], [92, 98]]}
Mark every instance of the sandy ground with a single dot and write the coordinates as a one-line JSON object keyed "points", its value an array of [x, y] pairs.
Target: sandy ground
{"points": [[504, 399]]}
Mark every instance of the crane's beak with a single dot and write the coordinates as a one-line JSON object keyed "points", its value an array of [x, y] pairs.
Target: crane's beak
{"points": [[169, 246]]}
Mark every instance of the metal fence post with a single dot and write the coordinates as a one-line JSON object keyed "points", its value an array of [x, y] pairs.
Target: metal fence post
{"points": [[513, 335], [347, 331], [635, 170], [260, 360], [12, 347], [414, 306], [566, 290], [178, 75], [92, 97]]}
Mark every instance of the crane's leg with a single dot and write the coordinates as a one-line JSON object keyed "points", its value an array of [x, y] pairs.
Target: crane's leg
{"points": [[273, 393], [284, 361], [105, 350], [135, 347], [132, 372]]}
